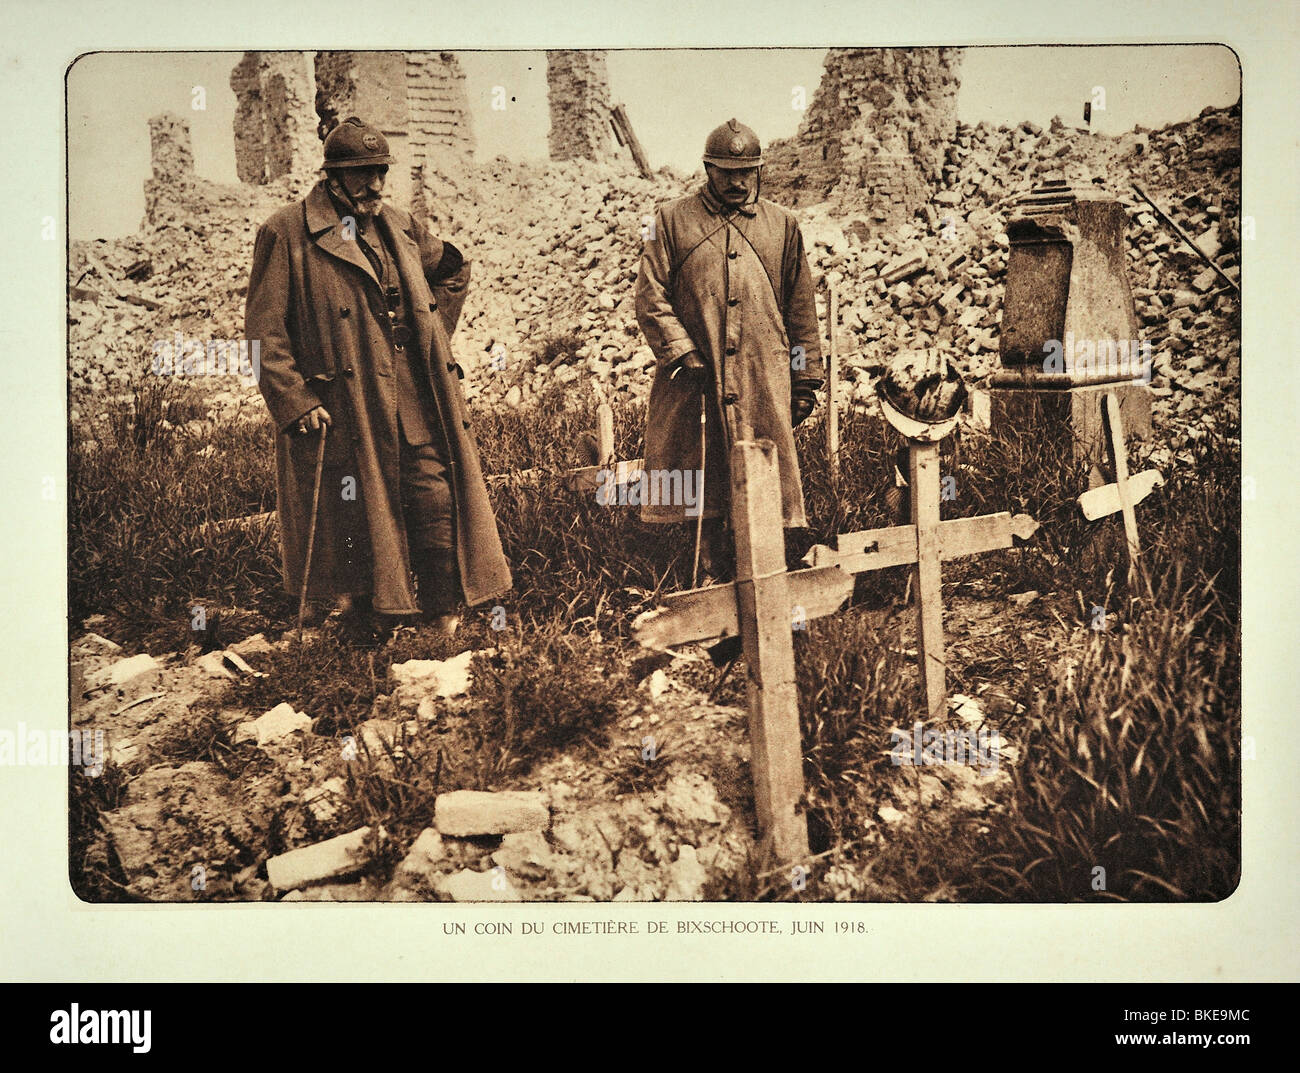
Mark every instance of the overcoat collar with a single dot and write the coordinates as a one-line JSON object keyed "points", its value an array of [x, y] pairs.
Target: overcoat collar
{"points": [[326, 229]]}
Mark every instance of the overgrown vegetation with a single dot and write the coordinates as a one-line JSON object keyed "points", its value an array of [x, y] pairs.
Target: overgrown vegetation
{"points": [[539, 693], [143, 485], [1129, 734]]}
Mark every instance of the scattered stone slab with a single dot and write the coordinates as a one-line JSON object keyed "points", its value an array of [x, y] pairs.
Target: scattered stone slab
{"points": [[421, 860], [134, 671], [334, 892], [890, 814], [323, 801], [418, 679], [256, 645], [213, 664], [272, 726], [325, 860], [687, 877], [379, 738], [1205, 280], [92, 644], [690, 801], [467, 813], [470, 886], [525, 853]]}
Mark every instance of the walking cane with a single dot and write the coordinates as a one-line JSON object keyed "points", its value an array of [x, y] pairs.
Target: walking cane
{"points": [[311, 529], [699, 522]]}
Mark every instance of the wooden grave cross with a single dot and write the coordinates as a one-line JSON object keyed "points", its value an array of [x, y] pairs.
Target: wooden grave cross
{"points": [[1122, 496], [766, 602]]}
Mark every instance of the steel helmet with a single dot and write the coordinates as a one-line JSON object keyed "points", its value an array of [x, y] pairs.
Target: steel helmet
{"points": [[921, 394], [733, 145], [354, 144]]}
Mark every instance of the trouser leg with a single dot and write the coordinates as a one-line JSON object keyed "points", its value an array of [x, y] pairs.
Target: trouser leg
{"points": [[430, 535]]}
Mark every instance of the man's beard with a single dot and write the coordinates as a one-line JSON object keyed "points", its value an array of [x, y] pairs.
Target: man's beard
{"points": [[362, 204]]}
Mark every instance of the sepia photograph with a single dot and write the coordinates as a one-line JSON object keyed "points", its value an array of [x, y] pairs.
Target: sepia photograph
{"points": [[682, 475]]}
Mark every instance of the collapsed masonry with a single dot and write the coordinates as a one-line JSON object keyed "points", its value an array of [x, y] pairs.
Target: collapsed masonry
{"points": [[275, 123], [875, 134], [288, 101]]}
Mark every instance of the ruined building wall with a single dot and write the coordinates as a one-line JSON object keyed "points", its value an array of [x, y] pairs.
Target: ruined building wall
{"points": [[875, 134], [275, 118], [417, 99], [372, 86], [578, 91], [439, 106], [172, 159]]}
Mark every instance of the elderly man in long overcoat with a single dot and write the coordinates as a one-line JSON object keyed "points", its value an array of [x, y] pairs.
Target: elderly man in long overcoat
{"points": [[352, 303], [725, 300]]}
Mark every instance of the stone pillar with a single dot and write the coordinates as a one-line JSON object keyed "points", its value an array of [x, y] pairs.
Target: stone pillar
{"points": [[875, 133], [275, 117], [170, 153], [578, 90], [172, 161], [442, 134]]}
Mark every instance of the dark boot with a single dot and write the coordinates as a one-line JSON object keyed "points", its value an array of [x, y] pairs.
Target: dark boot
{"points": [[358, 625], [437, 579]]}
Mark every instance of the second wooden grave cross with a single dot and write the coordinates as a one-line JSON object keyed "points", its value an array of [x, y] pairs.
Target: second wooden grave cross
{"points": [[765, 603]]}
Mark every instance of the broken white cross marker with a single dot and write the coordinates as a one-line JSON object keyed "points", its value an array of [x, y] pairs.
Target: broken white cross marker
{"points": [[1122, 496]]}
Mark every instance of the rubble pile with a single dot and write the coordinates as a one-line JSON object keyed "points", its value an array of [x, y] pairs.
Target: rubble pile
{"points": [[555, 248], [276, 815]]}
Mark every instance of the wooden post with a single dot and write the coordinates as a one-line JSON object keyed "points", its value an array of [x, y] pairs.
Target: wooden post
{"points": [[1119, 460], [765, 613], [832, 381], [605, 433], [923, 465], [623, 127]]}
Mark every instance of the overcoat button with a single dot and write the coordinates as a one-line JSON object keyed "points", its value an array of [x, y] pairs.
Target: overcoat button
{"points": [[734, 254], [731, 398], [433, 306], [733, 301], [344, 311], [466, 424], [731, 350], [348, 371], [451, 366]]}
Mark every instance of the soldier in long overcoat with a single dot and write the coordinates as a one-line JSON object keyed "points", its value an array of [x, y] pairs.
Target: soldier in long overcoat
{"points": [[725, 300], [352, 303]]}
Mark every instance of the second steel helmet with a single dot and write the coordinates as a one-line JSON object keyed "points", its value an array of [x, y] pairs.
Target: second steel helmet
{"points": [[354, 144], [921, 394], [733, 145]]}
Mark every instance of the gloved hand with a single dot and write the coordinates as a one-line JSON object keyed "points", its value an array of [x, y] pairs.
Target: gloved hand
{"points": [[803, 400], [690, 368]]}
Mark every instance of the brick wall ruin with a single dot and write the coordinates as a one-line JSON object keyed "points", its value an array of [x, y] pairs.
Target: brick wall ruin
{"points": [[578, 91], [417, 99], [875, 133], [286, 102], [275, 117]]}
